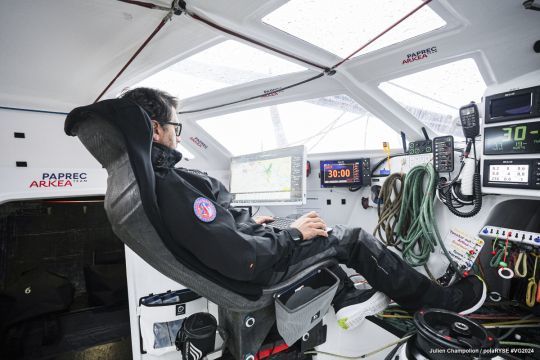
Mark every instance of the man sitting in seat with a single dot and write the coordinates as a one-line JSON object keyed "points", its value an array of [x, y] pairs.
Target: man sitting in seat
{"points": [[201, 221]]}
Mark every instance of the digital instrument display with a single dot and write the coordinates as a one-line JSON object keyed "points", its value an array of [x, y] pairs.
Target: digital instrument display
{"points": [[511, 105], [344, 172], [512, 173], [509, 173], [512, 139]]}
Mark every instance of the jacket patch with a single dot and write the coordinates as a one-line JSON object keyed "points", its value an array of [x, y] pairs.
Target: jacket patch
{"points": [[204, 209]]}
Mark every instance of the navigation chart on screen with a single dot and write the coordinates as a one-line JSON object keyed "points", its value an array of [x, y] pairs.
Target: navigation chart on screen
{"points": [[262, 175]]}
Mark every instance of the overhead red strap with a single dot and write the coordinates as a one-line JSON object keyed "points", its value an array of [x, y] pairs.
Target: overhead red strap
{"points": [[161, 24], [256, 42], [424, 3], [145, 4]]}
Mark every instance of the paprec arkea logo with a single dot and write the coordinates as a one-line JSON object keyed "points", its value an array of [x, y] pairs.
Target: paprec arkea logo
{"points": [[59, 179], [419, 55]]}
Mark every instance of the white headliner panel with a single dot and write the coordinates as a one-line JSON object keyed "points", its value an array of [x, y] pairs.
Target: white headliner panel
{"points": [[69, 50], [65, 51]]}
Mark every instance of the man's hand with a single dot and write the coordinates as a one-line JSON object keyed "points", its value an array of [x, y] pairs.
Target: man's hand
{"points": [[263, 219], [310, 225]]}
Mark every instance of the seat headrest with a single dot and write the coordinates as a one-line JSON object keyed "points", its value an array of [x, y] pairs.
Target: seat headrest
{"points": [[104, 128]]}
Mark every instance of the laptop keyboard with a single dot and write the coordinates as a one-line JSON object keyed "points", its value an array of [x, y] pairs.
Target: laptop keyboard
{"points": [[281, 223]]}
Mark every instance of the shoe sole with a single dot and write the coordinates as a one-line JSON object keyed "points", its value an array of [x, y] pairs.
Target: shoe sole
{"points": [[351, 316], [479, 304]]}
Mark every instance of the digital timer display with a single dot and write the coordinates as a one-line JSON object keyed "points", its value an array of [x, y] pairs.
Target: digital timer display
{"points": [[512, 139], [342, 172]]}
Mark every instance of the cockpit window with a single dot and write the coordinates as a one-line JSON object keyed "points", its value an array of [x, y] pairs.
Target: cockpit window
{"points": [[329, 124], [434, 96], [228, 63], [342, 27]]}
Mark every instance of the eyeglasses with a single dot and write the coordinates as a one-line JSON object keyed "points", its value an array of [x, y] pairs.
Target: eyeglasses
{"points": [[177, 127]]}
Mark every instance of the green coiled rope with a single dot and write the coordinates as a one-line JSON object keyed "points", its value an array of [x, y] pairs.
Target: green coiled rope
{"points": [[422, 235]]}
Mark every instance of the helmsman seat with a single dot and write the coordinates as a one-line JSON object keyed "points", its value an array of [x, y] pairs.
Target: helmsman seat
{"points": [[246, 322]]}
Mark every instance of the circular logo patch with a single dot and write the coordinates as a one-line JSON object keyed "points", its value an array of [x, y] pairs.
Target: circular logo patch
{"points": [[204, 209]]}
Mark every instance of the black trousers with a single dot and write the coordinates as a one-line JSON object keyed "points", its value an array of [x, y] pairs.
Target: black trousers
{"points": [[361, 251]]}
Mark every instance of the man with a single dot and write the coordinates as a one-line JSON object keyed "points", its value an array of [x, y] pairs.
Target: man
{"points": [[228, 241]]}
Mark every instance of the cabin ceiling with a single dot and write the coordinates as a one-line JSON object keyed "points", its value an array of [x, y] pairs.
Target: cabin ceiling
{"points": [[57, 54]]}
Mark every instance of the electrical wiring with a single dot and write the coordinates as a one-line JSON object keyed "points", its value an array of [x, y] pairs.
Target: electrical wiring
{"points": [[513, 322], [396, 316], [382, 161], [511, 331], [519, 343], [532, 325]]}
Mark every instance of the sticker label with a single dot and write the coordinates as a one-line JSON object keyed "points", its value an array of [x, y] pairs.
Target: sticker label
{"points": [[180, 309], [204, 209], [463, 248]]}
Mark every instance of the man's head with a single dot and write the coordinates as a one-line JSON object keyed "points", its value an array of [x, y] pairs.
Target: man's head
{"points": [[161, 108]]}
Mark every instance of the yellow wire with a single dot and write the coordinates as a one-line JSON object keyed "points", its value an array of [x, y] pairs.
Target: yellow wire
{"points": [[396, 316], [532, 287], [515, 322]]}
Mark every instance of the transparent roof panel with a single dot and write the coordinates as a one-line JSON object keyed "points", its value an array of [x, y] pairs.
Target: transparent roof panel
{"points": [[328, 124], [434, 96], [349, 24], [228, 63]]}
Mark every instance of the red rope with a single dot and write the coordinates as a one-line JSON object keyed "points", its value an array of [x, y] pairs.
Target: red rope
{"points": [[506, 246], [144, 4], [161, 24], [424, 3]]}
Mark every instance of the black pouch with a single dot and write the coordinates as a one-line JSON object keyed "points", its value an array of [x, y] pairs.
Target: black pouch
{"points": [[197, 336]]}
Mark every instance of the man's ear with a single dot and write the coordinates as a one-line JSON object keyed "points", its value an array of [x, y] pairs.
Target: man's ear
{"points": [[155, 131]]}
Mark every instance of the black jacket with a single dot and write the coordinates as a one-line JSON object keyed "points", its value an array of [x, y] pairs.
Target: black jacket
{"points": [[230, 250], [232, 243]]}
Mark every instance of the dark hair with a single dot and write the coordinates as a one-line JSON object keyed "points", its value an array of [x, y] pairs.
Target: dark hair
{"points": [[155, 102]]}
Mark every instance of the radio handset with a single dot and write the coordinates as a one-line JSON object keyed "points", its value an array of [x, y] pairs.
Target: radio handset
{"points": [[466, 188], [470, 120]]}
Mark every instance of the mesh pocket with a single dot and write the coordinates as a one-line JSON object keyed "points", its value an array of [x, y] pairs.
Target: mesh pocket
{"points": [[303, 305]]}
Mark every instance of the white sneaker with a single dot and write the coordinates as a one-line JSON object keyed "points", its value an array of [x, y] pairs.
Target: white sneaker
{"points": [[352, 307]]}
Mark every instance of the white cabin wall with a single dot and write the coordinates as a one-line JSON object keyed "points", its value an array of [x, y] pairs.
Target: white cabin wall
{"points": [[47, 150]]}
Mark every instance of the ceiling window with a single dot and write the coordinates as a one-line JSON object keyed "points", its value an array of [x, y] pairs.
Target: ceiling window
{"points": [[349, 24], [228, 63], [328, 124], [434, 96]]}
